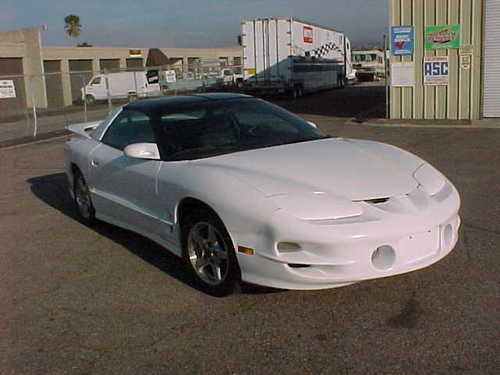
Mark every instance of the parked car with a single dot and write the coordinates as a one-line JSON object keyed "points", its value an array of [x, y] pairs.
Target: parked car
{"points": [[243, 190]]}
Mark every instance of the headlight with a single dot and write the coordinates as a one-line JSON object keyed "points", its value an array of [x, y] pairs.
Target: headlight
{"points": [[431, 180]]}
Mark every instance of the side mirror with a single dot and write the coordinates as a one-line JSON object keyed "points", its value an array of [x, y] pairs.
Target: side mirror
{"points": [[142, 151], [312, 124]]}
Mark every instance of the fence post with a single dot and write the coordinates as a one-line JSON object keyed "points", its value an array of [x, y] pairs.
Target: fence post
{"points": [[84, 91], [386, 73], [135, 84], [33, 105], [110, 107]]}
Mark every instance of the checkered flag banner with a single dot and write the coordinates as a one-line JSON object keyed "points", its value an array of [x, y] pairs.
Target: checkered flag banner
{"points": [[325, 50]]}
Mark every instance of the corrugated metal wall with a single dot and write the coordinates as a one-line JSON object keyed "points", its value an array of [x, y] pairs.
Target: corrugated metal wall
{"points": [[461, 99], [492, 59]]}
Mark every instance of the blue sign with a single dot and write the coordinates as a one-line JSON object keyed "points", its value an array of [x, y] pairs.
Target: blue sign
{"points": [[402, 40]]}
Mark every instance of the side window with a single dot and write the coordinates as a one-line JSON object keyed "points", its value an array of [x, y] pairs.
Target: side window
{"points": [[96, 81], [129, 127]]}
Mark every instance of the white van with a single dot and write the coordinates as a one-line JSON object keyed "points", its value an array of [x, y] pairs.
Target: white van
{"points": [[121, 86]]}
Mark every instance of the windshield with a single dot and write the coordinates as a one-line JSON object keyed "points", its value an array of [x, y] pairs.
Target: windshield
{"points": [[216, 128]]}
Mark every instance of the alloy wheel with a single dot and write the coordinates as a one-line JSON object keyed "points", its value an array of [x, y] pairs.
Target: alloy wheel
{"points": [[208, 253]]}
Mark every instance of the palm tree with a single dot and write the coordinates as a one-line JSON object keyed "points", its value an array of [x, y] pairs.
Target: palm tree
{"points": [[72, 26]]}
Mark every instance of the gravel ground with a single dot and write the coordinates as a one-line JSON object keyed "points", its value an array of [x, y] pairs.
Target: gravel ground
{"points": [[79, 300]]}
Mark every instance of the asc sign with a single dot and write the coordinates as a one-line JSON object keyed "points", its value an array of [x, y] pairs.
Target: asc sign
{"points": [[436, 71]]}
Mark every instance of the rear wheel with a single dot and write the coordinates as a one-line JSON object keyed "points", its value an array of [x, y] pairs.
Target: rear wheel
{"points": [[209, 253], [89, 99], [83, 201]]}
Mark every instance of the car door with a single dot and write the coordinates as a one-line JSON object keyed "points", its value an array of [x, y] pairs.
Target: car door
{"points": [[124, 188]]}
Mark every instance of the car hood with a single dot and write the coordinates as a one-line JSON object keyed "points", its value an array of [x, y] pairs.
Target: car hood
{"points": [[347, 168]]}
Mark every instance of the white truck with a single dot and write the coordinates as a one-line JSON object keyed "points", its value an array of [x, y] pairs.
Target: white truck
{"points": [[287, 55], [121, 85]]}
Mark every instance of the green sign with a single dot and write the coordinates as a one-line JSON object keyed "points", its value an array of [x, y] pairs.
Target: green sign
{"points": [[443, 36]]}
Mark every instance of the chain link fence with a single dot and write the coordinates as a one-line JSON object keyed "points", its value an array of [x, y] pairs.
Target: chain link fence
{"points": [[34, 105]]}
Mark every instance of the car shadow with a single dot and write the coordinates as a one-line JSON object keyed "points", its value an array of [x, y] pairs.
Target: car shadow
{"points": [[53, 190]]}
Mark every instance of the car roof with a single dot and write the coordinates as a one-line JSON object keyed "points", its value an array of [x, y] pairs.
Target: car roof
{"points": [[148, 105]]}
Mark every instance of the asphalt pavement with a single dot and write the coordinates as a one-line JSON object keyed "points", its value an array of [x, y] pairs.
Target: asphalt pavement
{"points": [[80, 300]]}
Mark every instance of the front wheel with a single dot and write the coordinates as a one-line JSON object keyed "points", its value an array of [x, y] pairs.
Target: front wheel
{"points": [[209, 254], [83, 200]]}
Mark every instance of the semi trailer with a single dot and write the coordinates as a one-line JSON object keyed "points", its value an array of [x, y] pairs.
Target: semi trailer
{"points": [[287, 55]]}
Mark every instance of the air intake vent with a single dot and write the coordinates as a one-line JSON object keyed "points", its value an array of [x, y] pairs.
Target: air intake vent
{"points": [[376, 200], [292, 265]]}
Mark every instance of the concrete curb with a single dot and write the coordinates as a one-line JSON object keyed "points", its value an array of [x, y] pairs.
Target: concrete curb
{"points": [[379, 122], [479, 124], [474, 125], [25, 141]]}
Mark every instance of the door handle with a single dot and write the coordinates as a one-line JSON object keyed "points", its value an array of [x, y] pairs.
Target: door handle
{"points": [[94, 163]]}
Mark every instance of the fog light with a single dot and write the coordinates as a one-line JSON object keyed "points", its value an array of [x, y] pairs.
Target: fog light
{"points": [[447, 236], [286, 247], [383, 257]]}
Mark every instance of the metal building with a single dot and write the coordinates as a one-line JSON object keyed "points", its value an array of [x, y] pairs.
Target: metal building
{"points": [[491, 96], [450, 68]]}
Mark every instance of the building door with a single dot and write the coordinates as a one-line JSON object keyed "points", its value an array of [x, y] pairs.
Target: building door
{"points": [[11, 69], [80, 73], [135, 63], [109, 65], [491, 104], [53, 83]]}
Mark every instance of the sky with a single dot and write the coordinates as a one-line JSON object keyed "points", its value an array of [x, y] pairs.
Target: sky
{"points": [[186, 23]]}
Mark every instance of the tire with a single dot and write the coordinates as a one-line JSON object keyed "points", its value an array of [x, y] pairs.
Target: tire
{"points": [[341, 82], [82, 200], [209, 253], [89, 99]]}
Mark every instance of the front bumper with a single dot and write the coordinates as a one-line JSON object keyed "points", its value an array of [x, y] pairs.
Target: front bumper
{"points": [[390, 239]]}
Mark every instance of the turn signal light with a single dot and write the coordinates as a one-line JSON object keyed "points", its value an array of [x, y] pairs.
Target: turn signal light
{"points": [[245, 250]]}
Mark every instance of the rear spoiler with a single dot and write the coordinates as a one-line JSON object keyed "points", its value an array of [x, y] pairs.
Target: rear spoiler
{"points": [[83, 129]]}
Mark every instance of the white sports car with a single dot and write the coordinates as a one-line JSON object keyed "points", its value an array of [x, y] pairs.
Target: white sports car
{"points": [[244, 190]]}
